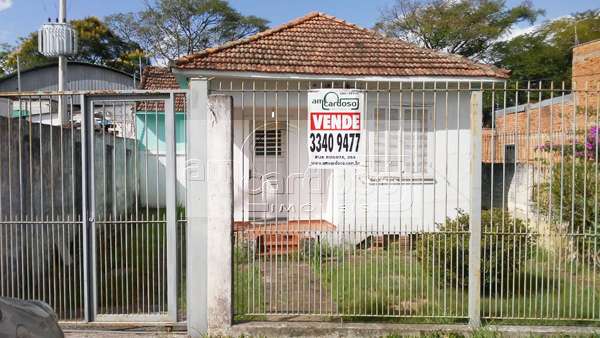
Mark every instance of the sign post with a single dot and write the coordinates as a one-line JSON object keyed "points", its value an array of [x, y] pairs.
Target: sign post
{"points": [[335, 125]]}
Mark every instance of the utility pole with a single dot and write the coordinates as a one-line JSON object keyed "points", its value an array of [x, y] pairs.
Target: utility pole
{"points": [[140, 66], [59, 40], [18, 73], [62, 66]]}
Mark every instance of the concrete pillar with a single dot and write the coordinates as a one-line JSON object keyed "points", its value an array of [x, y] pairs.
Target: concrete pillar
{"points": [[475, 211], [196, 207], [220, 213], [171, 205], [209, 183]]}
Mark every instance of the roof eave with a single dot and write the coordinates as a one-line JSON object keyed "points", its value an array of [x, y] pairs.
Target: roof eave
{"points": [[204, 73]]}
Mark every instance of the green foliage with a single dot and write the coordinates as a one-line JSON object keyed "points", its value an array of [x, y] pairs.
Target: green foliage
{"points": [[100, 45], [97, 44], [316, 250], [570, 198], [447, 250], [28, 55], [170, 29], [465, 27], [248, 290], [530, 57], [546, 53], [5, 50]]}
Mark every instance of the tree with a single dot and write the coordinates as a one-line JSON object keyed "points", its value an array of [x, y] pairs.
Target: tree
{"points": [[169, 29], [546, 53], [97, 44], [28, 55], [465, 27], [5, 50]]}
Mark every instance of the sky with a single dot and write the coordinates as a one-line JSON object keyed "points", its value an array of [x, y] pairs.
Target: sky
{"points": [[20, 17]]}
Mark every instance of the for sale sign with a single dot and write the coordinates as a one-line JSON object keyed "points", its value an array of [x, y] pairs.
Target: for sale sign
{"points": [[335, 124]]}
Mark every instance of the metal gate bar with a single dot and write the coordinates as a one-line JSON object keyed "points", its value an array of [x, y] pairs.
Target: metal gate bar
{"points": [[81, 228], [354, 255], [41, 233]]}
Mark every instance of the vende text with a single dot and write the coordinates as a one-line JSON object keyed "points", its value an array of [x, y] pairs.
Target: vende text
{"points": [[335, 121]]}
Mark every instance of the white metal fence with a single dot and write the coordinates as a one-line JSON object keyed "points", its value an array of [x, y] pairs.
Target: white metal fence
{"points": [[93, 213], [89, 214], [394, 237]]}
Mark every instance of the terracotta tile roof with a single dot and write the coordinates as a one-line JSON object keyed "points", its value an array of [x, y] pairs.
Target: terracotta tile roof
{"points": [[158, 78], [322, 44], [161, 78]]}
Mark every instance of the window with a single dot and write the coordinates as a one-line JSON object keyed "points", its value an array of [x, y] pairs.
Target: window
{"points": [[398, 144], [268, 142], [510, 153], [150, 130]]}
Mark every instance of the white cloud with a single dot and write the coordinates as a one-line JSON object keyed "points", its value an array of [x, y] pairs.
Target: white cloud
{"points": [[5, 4], [516, 31]]}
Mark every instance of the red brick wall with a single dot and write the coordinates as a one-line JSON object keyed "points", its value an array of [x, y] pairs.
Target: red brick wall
{"points": [[555, 123], [586, 73], [586, 65]]}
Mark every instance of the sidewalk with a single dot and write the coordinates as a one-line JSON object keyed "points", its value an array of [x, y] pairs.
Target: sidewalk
{"points": [[121, 334]]}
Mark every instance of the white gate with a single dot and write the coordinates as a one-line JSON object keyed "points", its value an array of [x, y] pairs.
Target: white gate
{"points": [[89, 208]]}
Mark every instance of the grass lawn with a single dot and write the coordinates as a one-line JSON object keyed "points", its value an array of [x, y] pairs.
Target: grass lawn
{"points": [[393, 283], [388, 283], [551, 287], [248, 288]]}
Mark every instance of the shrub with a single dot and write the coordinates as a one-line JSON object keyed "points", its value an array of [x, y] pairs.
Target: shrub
{"points": [[569, 198], [505, 246]]}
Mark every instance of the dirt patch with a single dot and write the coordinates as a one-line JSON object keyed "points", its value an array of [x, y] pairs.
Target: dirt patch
{"points": [[293, 288]]}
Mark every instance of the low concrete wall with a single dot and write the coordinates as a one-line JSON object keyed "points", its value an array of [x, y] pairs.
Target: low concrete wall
{"points": [[40, 171], [115, 179], [508, 186], [41, 181], [154, 193]]}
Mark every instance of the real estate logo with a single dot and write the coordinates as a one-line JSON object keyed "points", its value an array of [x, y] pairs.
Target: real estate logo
{"points": [[331, 100], [335, 128]]}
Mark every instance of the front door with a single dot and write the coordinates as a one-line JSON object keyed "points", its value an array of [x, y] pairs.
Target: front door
{"points": [[268, 173]]}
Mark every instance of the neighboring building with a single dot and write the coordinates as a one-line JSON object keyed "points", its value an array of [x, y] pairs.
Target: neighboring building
{"points": [[586, 71], [31, 122], [513, 147], [81, 76], [527, 126], [321, 51], [150, 134]]}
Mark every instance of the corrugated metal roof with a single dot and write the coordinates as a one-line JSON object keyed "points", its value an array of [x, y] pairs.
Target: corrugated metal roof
{"points": [[523, 107], [81, 76]]}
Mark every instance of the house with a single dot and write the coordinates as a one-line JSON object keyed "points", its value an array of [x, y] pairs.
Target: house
{"points": [[82, 76], [150, 135], [514, 146], [407, 181]]}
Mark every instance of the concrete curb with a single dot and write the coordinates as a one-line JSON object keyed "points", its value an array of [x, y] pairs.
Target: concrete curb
{"points": [[312, 329]]}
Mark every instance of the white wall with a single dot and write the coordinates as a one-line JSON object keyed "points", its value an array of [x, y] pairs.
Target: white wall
{"points": [[152, 179], [348, 197]]}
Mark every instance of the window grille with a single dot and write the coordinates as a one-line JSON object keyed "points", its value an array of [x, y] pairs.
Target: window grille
{"points": [[268, 142], [398, 143]]}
